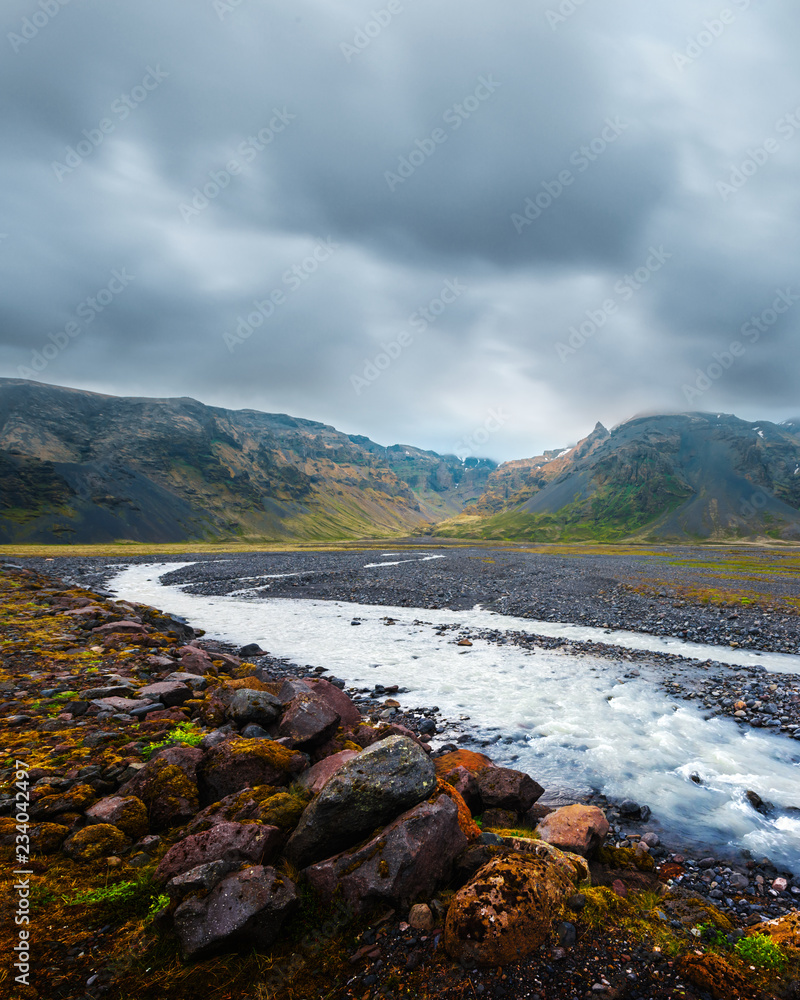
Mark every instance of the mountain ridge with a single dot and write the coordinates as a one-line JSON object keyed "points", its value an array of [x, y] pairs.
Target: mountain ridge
{"points": [[91, 467]]}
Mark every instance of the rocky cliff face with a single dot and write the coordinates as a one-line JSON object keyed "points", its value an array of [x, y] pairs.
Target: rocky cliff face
{"points": [[79, 466], [668, 477]]}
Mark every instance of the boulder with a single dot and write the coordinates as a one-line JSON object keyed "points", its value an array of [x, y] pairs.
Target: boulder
{"points": [[508, 909], [167, 785], [126, 812], [238, 764], [169, 693], [468, 759], [116, 705], [407, 861], [368, 791], [421, 918], [195, 682], [195, 661], [505, 788], [76, 799], [308, 720], [248, 706], [466, 784], [95, 842], [245, 909], [47, 838], [315, 777], [580, 829], [201, 879], [264, 804], [233, 843], [341, 703], [126, 627]]}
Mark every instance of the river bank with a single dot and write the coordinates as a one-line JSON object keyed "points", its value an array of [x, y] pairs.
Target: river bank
{"points": [[73, 747]]}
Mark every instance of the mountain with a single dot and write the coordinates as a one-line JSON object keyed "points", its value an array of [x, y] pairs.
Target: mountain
{"points": [[78, 466], [657, 478]]}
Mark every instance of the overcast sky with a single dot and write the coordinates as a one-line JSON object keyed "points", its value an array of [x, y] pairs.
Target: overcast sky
{"points": [[257, 204]]}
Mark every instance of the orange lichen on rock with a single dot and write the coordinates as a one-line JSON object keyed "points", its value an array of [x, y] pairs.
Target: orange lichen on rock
{"points": [[466, 823]]}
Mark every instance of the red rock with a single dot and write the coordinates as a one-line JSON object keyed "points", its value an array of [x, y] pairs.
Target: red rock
{"points": [[123, 626], [505, 788], [316, 776], [167, 784], [308, 720], [580, 829], [341, 703], [466, 785], [195, 661], [231, 842], [127, 813], [619, 887], [169, 692]]}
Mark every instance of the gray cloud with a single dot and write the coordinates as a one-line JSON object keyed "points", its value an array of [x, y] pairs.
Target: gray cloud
{"points": [[215, 145]]}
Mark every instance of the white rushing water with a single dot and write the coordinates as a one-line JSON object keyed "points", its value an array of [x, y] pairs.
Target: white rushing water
{"points": [[569, 720]]}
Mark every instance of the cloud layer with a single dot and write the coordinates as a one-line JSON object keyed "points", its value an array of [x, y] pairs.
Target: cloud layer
{"points": [[405, 219]]}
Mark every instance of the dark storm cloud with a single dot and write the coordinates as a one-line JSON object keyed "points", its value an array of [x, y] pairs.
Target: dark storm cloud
{"points": [[488, 183]]}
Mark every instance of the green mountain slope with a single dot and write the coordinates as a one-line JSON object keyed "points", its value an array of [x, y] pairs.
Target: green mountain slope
{"points": [[661, 478], [83, 467]]}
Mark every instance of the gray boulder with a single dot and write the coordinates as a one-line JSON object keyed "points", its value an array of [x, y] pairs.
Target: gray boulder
{"points": [[407, 861], [368, 791], [245, 909], [247, 706]]}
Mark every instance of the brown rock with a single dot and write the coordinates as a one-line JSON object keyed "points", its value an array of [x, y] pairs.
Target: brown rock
{"points": [[421, 918], [241, 763], [505, 788], [466, 784], [95, 842], [126, 812], [409, 859], [316, 776], [167, 785], [264, 804], [195, 661], [580, 829], [122, 627], [77, 798], [168, 692], [508, 909], [712, 973], [308, 720], [233, 843], [341, 703]]}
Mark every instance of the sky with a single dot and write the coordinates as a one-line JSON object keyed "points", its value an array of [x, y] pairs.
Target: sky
{"points": [[429, 223]]}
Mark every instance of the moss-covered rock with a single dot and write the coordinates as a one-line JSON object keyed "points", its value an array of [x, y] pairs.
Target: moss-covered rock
{"points": [[508, 909], [74, 800], [240, 763], [47, 838], [167, 785], [625, 857], [127, 812], [95, 842], [713, 974]]}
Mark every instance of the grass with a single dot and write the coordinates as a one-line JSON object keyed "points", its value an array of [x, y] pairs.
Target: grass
{"points": [[762, 952], [184, 732]]}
